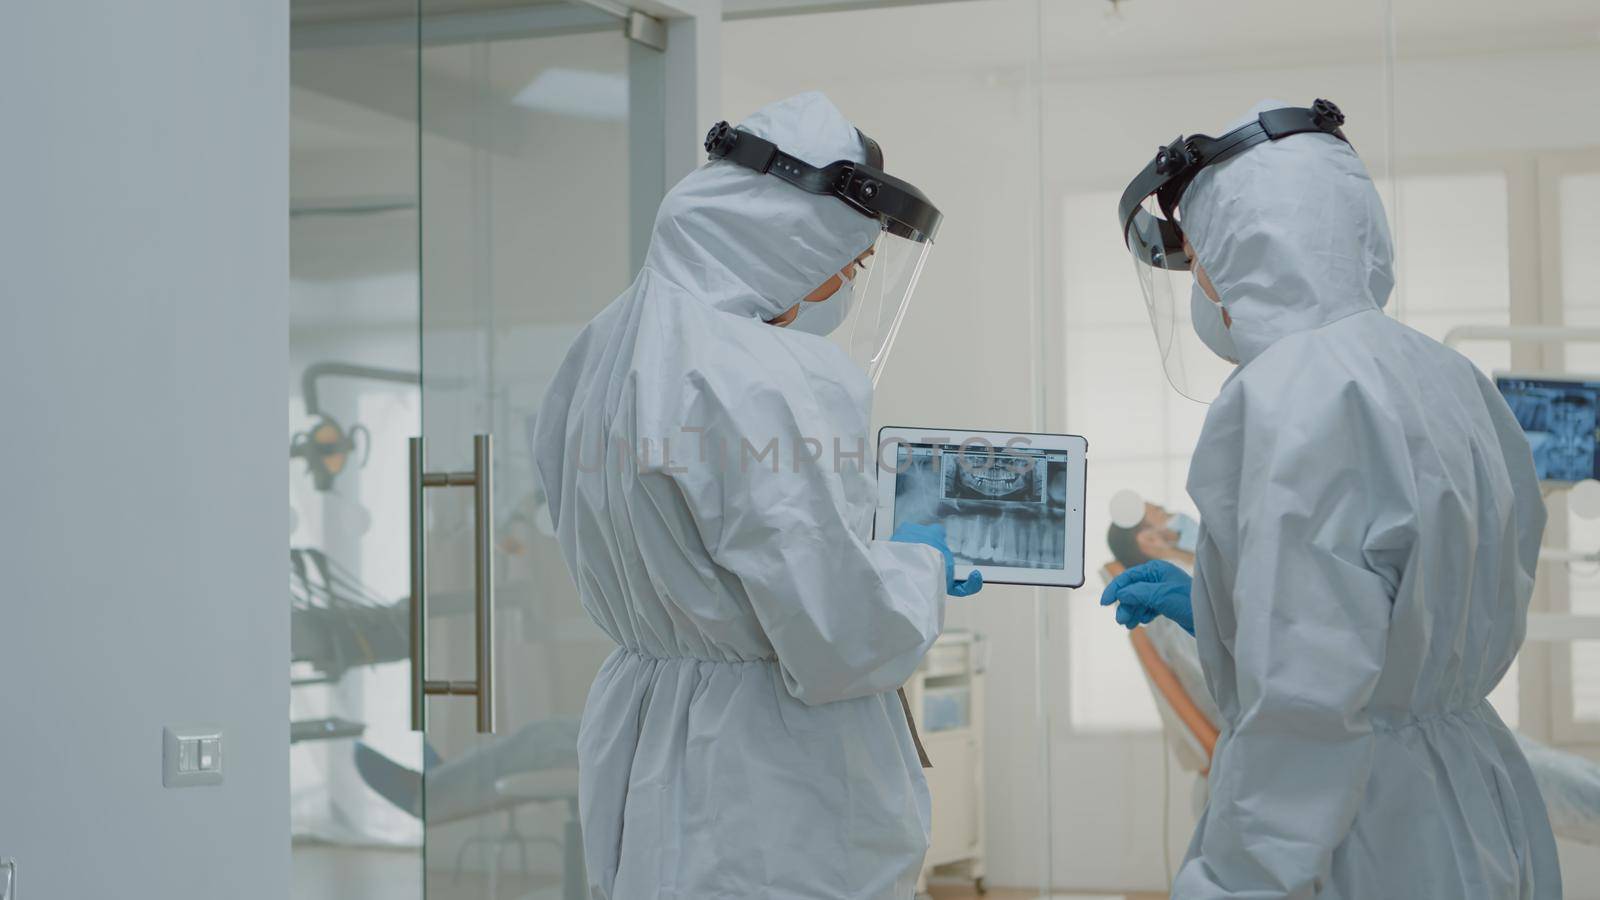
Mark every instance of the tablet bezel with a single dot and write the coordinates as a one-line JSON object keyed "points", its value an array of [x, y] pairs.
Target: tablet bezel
{"points": [[1071, 574]]}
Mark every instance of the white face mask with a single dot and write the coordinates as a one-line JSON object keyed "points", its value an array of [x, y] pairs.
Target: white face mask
{"points": [[823, 317], [1209, 326], [1188, 531]]}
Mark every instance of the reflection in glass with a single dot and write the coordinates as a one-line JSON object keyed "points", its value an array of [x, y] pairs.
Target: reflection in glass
{"points": [[526, 201], [353, 401]]}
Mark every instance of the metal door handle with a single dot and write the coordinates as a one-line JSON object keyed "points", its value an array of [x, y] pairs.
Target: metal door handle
{"points": [[8, 879], [481, 480]]}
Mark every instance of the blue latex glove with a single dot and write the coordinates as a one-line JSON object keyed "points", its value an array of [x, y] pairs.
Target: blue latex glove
{"points": [[1155, 588], [933, 536]]}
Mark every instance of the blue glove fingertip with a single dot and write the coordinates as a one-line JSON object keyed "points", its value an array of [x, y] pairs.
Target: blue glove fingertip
{"points": [[972, 585], [1109, 595]]}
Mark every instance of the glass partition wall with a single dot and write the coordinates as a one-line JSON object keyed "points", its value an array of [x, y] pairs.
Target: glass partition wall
{"points": [[1024, 120], [465, 186], [951, 101], [1119, 80]]}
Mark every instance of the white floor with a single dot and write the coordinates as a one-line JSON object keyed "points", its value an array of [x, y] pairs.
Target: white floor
{"points": [[325, 872], [329, 872]]}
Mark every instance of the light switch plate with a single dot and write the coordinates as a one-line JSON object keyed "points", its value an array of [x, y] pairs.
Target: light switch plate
{"points": [[191, 755]]}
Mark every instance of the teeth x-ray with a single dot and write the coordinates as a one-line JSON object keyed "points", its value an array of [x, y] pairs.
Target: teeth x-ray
{"points": [[1559, 418], [999, 507]]}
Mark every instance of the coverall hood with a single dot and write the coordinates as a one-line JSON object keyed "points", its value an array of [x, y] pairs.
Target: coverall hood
{"points": [[1292, 234], [750, 244]]}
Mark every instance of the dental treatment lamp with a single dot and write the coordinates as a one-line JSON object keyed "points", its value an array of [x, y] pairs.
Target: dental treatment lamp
{"points": [[328, 447]]}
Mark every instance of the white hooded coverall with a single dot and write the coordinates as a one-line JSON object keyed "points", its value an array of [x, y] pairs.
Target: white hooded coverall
{"points": [[744, 741], [1370, 526]]}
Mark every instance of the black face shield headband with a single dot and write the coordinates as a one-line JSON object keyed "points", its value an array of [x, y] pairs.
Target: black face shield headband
{"points": [[1157, 240], [902, 210]]}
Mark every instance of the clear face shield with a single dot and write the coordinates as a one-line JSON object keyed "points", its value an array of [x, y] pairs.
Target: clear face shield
{"points": [[866, 301], [1189, 328], [871, 294], [1180, 314], [880, 292]]}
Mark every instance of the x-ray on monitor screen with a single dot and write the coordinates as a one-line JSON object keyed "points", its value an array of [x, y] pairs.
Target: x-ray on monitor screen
{"points": [[1559, 417]]}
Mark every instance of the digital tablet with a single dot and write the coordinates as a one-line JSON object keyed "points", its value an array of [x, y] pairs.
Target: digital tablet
{"points": [[1011, 503], [1558, 415]]}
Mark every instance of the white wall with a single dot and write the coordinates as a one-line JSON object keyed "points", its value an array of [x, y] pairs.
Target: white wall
{"points": [[142, 354]]}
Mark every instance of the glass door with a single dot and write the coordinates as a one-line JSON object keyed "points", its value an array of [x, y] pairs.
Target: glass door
{"points": [[469, 189], [529, 180], [353, 401]]}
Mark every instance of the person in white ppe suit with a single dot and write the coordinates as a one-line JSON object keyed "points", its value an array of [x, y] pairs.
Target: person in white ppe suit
{"points": [[1370, 525], [704, 452]]}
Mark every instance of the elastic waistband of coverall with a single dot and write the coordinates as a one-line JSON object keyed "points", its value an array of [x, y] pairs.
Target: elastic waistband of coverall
{"points": [[692, 658], [1480, 711]]}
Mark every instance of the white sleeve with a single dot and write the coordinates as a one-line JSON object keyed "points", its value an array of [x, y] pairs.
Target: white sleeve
{"points": [[1300, 576], [847, 616]]}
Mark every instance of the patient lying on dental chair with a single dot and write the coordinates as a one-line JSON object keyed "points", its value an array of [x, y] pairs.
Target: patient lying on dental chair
{"points": [[1569, 783]]}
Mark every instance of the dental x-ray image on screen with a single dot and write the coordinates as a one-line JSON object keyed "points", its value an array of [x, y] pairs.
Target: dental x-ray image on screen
{"points": [[999, 507], [1559, 418]]}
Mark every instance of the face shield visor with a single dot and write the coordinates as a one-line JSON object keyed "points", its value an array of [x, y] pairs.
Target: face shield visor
{"points": [[1191, 338], [872, 293]]}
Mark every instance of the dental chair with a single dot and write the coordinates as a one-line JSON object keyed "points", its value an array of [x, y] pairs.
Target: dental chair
{"points": [[535, 765], [1181, 698]]}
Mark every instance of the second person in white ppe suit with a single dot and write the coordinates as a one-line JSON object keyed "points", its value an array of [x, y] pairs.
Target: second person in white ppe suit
{"points": [[1370, 525], [745, 739]]}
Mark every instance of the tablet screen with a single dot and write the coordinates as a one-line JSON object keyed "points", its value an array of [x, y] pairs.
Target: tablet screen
{"points": [[1000, 506]]}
